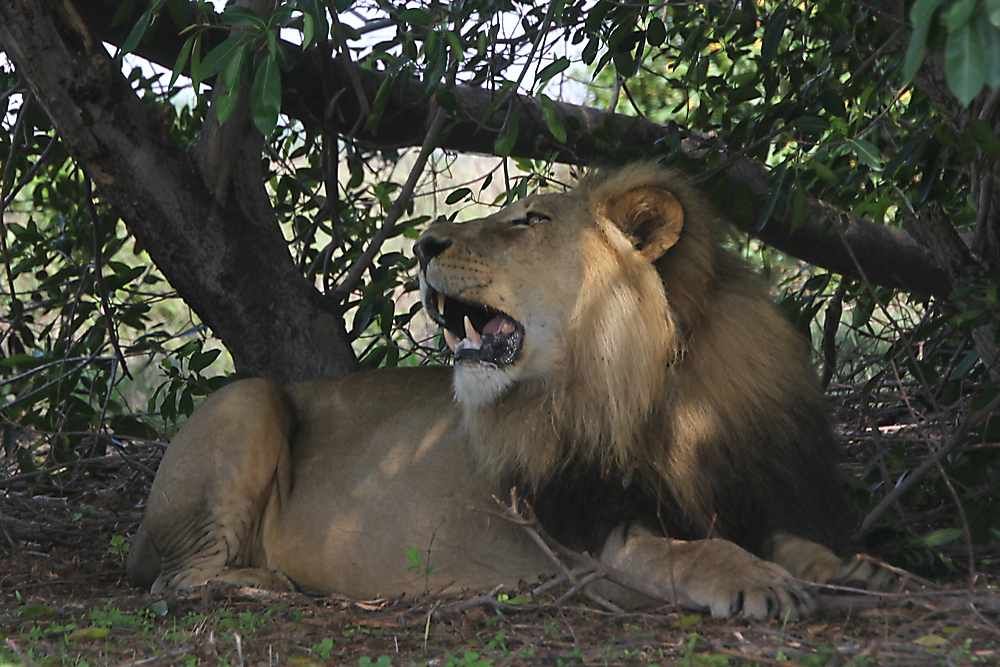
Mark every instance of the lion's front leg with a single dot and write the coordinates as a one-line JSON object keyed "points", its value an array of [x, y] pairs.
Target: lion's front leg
{"points": [[814, 562], [714, 573]]}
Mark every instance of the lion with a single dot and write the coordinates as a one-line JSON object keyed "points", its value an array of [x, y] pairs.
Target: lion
{"points": [[612, 362]]}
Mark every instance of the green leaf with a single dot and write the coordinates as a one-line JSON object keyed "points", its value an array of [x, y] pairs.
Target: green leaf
{"points": [[936, 538], [686, 621], [202, 359], [775, 186], [265, 97], [814, 125], [308, 30], [965, 62], [983, 134], [180, 12], [773, 33], [88, 634], [219, 56], [552, 69], [455, 45], [959, 14], [9, 439], [552, 119], [236, 15], [921, 16], [991, 43], [138, 30], [867, 152], [798, 208], [182, 59], [378, 106], [419, 17], [923, 11], [993, 12], [196, 77], [828, 175], [915, 51], [930, 641], [457, 195], [124, 9], [413, 555], [656, 32], [504, 144], [37, 613], [232, 72]]}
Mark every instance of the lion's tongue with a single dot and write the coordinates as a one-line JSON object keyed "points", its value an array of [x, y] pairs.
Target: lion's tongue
{"points": [[498, 325]]}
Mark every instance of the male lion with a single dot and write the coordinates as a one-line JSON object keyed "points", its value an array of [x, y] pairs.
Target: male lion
{"points": [[611, 362]]}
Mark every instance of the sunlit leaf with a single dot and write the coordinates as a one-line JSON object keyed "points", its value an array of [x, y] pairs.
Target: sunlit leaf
{"points": [[88, 634], [930, 641], [867, 152]]}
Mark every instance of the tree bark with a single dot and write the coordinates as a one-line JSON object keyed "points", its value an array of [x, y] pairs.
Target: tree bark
{"points": [[227, 262]]}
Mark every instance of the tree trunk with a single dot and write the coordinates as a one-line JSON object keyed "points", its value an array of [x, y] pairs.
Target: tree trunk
{"points": [[227, 259]]}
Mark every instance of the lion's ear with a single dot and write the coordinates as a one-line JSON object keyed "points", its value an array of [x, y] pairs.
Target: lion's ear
{"points": [[650, 215]]}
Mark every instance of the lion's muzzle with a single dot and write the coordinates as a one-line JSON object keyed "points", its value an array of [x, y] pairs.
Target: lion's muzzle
{"points": [[474, 332]]}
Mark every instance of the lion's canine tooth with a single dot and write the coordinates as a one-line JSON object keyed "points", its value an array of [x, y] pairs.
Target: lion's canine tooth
{"points": [[451, 339], [471, 334], [440, 303]]}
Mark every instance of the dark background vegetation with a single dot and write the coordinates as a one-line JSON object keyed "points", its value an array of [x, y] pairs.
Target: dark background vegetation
{"points": [[190, 193]]}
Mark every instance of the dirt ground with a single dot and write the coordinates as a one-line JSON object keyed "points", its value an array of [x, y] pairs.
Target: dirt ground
{"points": [[64, 600]]}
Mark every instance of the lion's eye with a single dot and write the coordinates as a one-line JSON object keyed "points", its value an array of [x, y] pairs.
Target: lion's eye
{"points": [[529, 219]]}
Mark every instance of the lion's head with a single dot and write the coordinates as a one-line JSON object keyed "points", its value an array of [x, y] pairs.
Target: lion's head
{"points": [[559, 319]]}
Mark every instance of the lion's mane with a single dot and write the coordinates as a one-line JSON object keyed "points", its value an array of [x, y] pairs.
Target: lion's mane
{"points": [[670, 384]]}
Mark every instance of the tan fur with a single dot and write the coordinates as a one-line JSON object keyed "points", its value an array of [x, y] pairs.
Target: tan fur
{"points": [[647, 351]]}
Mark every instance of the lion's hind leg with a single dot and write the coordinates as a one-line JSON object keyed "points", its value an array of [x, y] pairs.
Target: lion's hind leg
{"points": [[814, 562], [222, 471]]}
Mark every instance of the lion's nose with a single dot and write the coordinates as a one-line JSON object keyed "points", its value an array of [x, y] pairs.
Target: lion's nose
{"points": [[430, 247]]}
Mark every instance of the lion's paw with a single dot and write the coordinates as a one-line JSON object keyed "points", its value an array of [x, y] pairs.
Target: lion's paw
{"points": [[255, 577], [862, 572], [731, 581], [756, 592]]}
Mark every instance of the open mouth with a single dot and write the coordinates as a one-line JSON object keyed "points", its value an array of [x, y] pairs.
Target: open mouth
{"points": [[476, 333]]}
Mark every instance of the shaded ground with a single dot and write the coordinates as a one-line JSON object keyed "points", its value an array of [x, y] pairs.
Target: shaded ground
{"points": [[64, 600]]}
